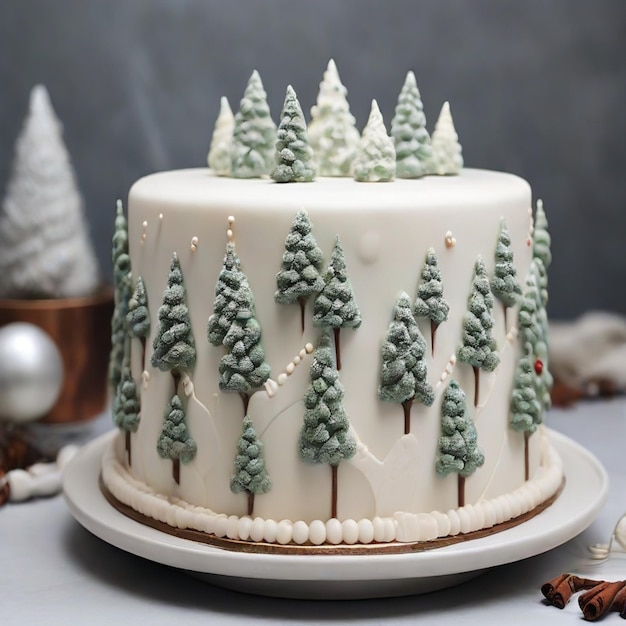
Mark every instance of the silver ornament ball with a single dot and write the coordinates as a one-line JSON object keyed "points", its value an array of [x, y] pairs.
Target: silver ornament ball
{"points": [[31, 372]]}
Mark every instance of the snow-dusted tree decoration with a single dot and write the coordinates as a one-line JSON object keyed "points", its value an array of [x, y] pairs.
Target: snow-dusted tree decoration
{"points": [[414, 153], [403, 377], [175, 442], [478, 347], [447, 157], [294, 155], [250, 473], [254, 134], [122, 282], [430, 302], [299, 278], [332, 132], [504, 283], [45, 250], [138, 317], [243, 368], [376, 156], [335, 306], [526, 409], [219, 157], [458, 449], [174, 346], [541, 237], [325, 436], [232, 294], [126, 408]]}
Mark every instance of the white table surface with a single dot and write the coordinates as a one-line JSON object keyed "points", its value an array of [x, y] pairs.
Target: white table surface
{"points": [[52, 571]]}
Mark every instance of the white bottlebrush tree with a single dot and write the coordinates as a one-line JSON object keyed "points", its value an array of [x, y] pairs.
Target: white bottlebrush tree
{"points": [[447, 157], [219, 158], [376, 156], [332, 132], [45, 250]]}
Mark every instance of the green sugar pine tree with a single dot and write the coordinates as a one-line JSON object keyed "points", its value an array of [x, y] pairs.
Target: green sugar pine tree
{"points": [[232, 294], [325, 436], [414, 154], [430, 302], [219, 157], [403, 376], [294, 155], [447, 151], [504, 283], [254, 134], [243, 368], [541, 237], [126, 408], [526, 410], [332, 131], [250, 473], [174, 347], [122, 292], [335, 306], [174, 442], [138, 317], [528, 327], [478, 347], [376, 156], [457, 447], [299, 278]]}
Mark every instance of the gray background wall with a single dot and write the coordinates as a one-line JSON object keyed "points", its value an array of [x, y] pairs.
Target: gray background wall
{"points": [[537, 88]]}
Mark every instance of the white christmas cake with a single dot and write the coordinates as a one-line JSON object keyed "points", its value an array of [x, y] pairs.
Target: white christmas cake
{"points": [[329, 339]]}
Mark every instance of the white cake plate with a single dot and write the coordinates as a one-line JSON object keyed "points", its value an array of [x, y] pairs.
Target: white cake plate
{"points": [[343, 576]]}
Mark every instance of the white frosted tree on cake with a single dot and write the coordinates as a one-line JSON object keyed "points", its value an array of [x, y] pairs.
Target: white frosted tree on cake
{"points": [[403, 377], [250, 473], [138, 317], [299, 277], [126, 408], [219, 157], [175, 442], [174, 347], [232, 294], [376, 156], [122, 283], [430, 302], [447, 152], [335, 306], [254, 134], [294, 155], [526, 408], [332, 131], [45, 250], [243, 368], [504, 283], [458, 451], [325, 436], [478, 347], [414, 154]]}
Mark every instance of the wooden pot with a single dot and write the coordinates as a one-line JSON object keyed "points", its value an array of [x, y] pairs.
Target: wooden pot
{"points": [[81, 330]]}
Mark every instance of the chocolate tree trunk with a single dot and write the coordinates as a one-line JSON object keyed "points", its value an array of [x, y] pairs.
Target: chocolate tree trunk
{"points": [[333, 501], [143, 354], [526, 459], [476, 384], [250, 503], [506, 308], [245, 398], [176, 470], [128, 447], [433, 332], [176, 377], [302, 303], [461, 485], [406, 406], [337, 348]]}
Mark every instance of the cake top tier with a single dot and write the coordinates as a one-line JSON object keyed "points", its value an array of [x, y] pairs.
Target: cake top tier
{"points": [[200, 187]]}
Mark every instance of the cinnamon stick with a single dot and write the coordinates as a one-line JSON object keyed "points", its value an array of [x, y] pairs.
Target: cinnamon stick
{"points": [[560, 589], [599, 600]]}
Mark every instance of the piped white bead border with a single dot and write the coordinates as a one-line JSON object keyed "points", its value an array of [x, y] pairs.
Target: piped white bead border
{"points": [[401, 527]]}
